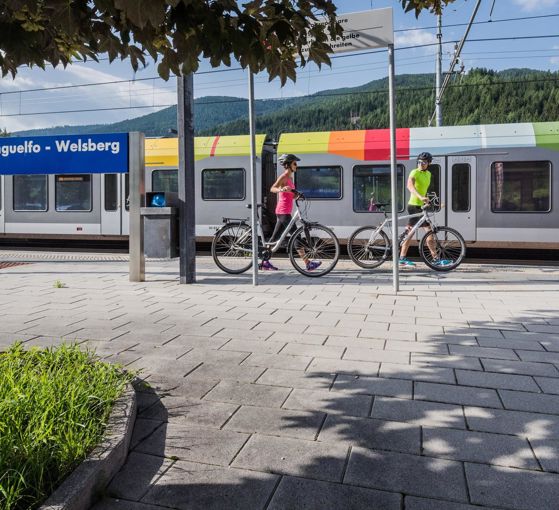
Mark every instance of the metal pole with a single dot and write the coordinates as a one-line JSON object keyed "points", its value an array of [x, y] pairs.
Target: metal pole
{"points": [[393, 176], [187, 219], [438, 111], [136, 169], [253, 189]]}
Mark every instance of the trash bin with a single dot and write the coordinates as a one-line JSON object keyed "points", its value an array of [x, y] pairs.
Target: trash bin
{"points": [[160, 226]]}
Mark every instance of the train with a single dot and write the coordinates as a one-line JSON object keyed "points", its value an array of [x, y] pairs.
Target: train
{"points": [[496, 182]]}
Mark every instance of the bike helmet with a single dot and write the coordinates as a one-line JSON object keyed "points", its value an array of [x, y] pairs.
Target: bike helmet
{"points": [[287, 159], [425, 156]]}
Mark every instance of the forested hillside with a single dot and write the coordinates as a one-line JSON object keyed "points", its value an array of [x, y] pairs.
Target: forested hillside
{"points": [[480, 97]]}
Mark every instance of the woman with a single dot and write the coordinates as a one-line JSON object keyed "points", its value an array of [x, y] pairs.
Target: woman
{"points": [[285, 188]]}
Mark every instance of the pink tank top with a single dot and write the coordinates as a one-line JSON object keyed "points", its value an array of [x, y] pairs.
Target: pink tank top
{"points": [[285, 199]]}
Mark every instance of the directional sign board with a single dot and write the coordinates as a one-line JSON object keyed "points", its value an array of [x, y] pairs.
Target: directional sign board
{"points": [[362, 30], [64, 154]]}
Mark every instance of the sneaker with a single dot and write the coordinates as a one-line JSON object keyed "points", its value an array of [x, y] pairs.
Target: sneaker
{"points": [[406, 262], [268, 266], [442, 262], [313, 264]]}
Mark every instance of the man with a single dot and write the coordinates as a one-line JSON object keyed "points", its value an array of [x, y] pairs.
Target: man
{"points": [[418, 184]]}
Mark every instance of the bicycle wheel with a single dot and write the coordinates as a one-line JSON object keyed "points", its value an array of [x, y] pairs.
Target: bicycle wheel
{"points": [[448, 246], [232, 248], [368, 248], [313, 250]]}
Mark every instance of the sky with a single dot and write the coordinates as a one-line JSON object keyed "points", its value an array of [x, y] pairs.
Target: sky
{"points": [[26, 102]]}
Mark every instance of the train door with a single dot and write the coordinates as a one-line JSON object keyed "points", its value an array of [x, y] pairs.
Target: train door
{"points": [[125, 204], [438, 186], [461, 203], [1, 204], [110, 204]]}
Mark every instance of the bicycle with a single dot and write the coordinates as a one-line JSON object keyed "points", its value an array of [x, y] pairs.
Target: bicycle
{"points": [[370, 246], [232, 244]]}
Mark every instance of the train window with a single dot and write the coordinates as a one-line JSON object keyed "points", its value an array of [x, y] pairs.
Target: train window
{"points": [[223, 184], [111, 192], [521, 186], [72, 192], [165, 180], [320, 182], [435, 186], [371, 185], [461, 187], [30, 193]]}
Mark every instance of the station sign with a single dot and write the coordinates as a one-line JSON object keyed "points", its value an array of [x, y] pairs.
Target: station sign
{"points": [[64, 154], [362, 30]]}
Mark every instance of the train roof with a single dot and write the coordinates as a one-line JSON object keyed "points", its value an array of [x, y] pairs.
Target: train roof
{"points": [[374, 144], [165, 151]]}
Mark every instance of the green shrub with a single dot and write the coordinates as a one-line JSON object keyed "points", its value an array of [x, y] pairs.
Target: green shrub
{"points": [[54, 406]]}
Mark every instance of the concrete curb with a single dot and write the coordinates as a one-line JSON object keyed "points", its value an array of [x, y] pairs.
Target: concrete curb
{"points": [[82, 487]]}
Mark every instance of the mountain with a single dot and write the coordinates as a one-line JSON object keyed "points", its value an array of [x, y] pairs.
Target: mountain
{"points": [[481, 96]]}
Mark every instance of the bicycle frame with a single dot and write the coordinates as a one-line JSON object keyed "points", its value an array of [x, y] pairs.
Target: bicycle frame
{"points": [[388, 221], [273, 247]]}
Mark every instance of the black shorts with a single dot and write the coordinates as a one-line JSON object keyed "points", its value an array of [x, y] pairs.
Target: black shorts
{"points": [[282, 221], [414, 209]]}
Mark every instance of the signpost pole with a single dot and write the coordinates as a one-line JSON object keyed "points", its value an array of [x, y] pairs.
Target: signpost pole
{"points": [[187, 219], [393, 175], [253, 187], [136, 159]]}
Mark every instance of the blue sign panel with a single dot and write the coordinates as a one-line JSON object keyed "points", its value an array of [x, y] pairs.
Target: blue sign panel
{"points": [[64, 154]]}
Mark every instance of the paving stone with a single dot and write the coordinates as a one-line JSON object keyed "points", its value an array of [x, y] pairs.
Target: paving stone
{"points": [[454, 361], [512, 488], [547, 452], [482, 352], [342, 366], [548, 385], [530, 425], [248, 394], [301, 494], [137, 475], [276, 422], [279, 361], [539, 356], [454, 394], [373, 386], [423, 347], [190, 486], [293, 379], [319, 351], [346, 341], [415, 503], [361, 354], [332, 330], [478, 447], [238, 333], [214, 356], [267, 347], [216, 371], [121, 504], [417, 372], [295, 457], [497, 381], [282, 336], [408, 474], [520, 367], [329, 402], [522, 401], [417, 412], [508, 343], [371, 433], [142, 429], [193, 443], [180, 409]]}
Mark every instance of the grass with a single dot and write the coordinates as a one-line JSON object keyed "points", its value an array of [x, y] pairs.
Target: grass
{"points": [[54, 406]]}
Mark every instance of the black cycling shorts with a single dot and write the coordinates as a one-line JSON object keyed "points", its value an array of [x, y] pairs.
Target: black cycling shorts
{"points": [[282, 220], [414, 209]]}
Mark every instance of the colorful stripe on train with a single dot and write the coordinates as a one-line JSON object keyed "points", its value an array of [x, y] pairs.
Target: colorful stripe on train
{"points": [[368, 145]]}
